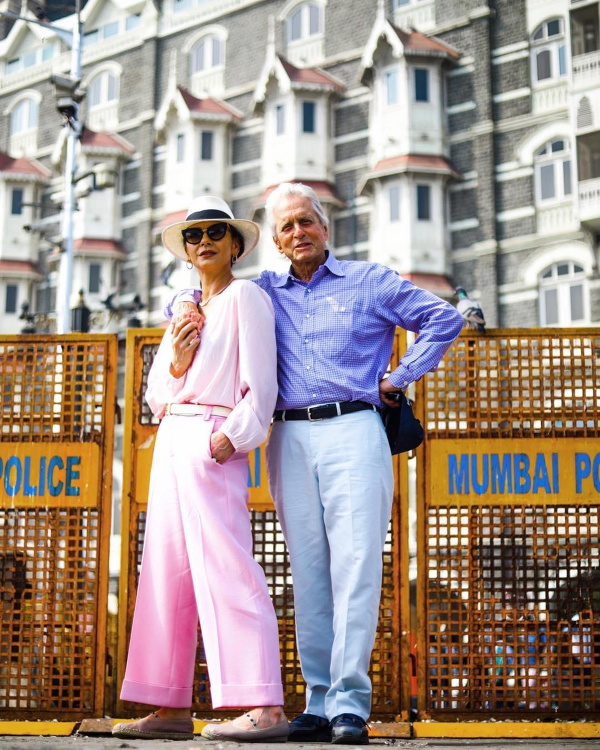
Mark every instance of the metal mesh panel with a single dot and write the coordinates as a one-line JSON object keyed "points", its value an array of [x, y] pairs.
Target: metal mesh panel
{"points": [[512, 589], [57, 400], [271, 553], [516, 385], [52, 391]]}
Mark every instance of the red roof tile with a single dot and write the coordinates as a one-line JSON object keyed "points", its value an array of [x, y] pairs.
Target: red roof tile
{"points": [[324, 190], [89, 244], [92, 139], [309, 75], [207, 105], [22, 165], [413, 162], [22, 267], [415, 41]]}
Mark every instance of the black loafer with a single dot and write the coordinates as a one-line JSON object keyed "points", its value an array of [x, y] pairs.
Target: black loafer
{"points": [[309, 728], [349, 729]]}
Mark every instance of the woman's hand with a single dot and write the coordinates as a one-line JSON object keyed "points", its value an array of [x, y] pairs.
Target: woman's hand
{"points": [[185, 341], [188, 311], [221, 447]]}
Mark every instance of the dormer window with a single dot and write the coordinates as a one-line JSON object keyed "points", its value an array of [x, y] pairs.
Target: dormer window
{"points": [[280, 119], [24, 116], [421, 85], [103, 89], [206, 145], [30, 58], [305, 21], [309, 117], [180, 151], [564, 297], [390, 78], [553, 171], [206, 54], [548, 51], [394, 203]]}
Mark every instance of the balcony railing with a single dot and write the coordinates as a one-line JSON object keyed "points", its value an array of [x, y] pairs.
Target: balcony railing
{"points": [[305, 52], [558, 218], [551, 98], [420, 15], [589, 200], [586, 69], [210, 82], [24, 144]]}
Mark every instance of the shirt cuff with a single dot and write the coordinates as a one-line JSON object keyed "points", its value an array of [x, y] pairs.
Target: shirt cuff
{"points": [[400, 378]]}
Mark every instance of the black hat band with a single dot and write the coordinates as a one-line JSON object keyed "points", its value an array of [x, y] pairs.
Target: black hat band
{"points": [[210, 213]]}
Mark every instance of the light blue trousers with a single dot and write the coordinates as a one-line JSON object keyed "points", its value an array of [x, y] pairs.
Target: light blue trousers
{"points": [[332, 483]]}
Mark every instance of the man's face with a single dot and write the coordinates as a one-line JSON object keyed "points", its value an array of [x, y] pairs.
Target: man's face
{"points": [[299, 234]]}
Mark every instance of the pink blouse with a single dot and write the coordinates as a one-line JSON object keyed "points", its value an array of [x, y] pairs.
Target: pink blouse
{"points": [[234, 366]]}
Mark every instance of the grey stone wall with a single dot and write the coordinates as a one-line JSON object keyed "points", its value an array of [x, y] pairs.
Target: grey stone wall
{"points": [[351, 149], [463, 204], [514, 193], [246, 148], [351, 119], [508, 22], [246, 177], [515, 228], [461, 155], [523, 314]]}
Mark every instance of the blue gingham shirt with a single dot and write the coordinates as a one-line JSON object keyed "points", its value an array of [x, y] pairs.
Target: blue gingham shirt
{"points": [[335, 333]]}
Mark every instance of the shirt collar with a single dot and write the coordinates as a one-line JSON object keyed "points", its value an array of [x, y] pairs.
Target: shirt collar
{"points": [[332, 264]]}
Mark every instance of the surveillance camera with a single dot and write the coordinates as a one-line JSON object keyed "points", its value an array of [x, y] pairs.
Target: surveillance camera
{"points": [[67, 107], [27, 227]]}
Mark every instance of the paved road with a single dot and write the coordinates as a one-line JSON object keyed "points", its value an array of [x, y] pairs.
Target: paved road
{"points": [[110, 743]]}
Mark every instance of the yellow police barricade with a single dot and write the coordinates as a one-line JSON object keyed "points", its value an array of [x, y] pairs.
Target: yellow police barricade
{"points": [[56, 440], [391, 683], [508, 589]]}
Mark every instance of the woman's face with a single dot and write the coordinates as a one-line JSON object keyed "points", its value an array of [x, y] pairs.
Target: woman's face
{"points": [[210, 246]]}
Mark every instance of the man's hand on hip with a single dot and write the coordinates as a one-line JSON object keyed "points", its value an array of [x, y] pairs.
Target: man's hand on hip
{"points": [[385, 387]]}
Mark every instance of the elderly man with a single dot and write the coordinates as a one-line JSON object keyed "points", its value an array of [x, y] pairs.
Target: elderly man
{"points": [[329, 463]]}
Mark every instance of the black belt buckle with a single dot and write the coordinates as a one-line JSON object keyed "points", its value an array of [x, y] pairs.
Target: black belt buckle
{"points": [[326, 411]]}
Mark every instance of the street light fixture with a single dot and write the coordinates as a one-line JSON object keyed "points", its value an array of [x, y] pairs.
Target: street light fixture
{"points": [[68, 97]]}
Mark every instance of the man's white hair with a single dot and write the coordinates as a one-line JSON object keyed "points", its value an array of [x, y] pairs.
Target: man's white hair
{"points": [[292, 188]]}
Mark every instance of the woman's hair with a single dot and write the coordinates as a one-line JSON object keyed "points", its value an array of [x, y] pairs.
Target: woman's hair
{"points": [[292, 188], [237, 236]]}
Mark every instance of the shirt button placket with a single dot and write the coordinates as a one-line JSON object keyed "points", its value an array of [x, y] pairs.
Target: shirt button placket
{"points": [[307, 332]]}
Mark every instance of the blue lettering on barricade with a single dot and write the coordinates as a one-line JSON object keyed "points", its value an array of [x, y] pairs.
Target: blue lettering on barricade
{"points": [[584, 467], [254, 481], [72, 475], [509, 473], [458, 477], [18, 476]]}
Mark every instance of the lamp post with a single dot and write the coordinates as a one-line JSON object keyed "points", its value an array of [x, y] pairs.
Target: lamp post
{"points": [[68, 98]]}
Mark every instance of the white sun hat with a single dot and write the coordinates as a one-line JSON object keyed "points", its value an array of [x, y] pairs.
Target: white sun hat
{"points": [[209, 208]]}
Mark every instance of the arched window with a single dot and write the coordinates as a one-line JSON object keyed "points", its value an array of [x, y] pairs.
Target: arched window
{"points": [[24, 116], [305, 20], [208, 53], [549, 51], [563, 295], [553, 171], [103, 88]]}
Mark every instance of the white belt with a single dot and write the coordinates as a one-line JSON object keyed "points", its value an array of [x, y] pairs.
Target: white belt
{"points": [[192, 410]]}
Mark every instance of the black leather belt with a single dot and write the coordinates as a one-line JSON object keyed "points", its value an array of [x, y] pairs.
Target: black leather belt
{"points": [[322, 411]]}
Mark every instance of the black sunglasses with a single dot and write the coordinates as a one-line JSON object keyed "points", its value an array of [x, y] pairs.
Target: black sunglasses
{"points": [[194, 235]]}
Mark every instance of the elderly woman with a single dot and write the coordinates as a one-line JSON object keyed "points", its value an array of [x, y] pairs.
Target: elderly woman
{"points": [[213, 384]]}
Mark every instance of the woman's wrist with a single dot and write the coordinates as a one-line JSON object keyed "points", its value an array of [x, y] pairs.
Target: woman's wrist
{"points": [[176, 372]]}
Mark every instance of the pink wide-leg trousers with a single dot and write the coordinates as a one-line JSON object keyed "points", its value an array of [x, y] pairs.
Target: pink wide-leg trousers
{"points": [[197, 561]]}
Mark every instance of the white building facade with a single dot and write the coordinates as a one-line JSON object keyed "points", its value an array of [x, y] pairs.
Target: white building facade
{"points": [[455, 142]]}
